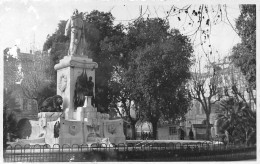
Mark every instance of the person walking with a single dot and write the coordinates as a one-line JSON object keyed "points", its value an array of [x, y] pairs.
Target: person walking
{"points": [[181, 134], [191, 135]]}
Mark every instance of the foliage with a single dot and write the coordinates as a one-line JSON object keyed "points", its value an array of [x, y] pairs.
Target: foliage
{"points": [[123, 100], [100, 30], [197, 21], [244, 53], [10, 101], [205, 88], [10, 70], [239, 120], [12, 126], [32, 78], [4, 129], [146, 56], [36, 83], [57, 45], [9, 120], [161, 63], [24, 128]]}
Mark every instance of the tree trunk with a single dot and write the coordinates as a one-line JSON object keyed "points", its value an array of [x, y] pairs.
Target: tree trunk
{"points": [[246, 137], [207, 127], [154, 124], [133, 137]]}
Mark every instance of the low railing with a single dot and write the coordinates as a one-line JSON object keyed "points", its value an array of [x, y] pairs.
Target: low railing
{"points": [[146, 151]]}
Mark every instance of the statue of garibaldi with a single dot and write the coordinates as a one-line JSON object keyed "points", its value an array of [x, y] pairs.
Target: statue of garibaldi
{"points": [[77, 38]]}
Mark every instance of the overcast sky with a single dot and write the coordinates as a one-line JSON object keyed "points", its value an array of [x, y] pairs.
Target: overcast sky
{"points": [[26, 23]]}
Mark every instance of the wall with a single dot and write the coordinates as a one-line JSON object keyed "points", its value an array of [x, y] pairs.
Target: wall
{"points": [[163, 133]]}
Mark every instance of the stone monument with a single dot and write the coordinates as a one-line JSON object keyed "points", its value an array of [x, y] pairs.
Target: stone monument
{"points": [[79, 122], [77, 38]]}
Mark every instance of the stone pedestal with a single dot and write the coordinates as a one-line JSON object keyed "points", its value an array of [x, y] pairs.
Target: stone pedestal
{"points": [[113, 129], [68, 70], [86, 127], [83, 125], [47, 122]]}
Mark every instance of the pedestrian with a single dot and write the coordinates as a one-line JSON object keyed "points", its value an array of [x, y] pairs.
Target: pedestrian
{"points": [[181, 134], [191, 135]]}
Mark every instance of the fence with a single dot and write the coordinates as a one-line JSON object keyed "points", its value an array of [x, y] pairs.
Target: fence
{"points": [[200, 151]]}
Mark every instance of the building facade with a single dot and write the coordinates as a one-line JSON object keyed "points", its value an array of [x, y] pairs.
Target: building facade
{"points": [[168, 132], [228, 76], [24, 107]]}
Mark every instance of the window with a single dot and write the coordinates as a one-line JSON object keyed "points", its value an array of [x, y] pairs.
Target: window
{"points": [[172, 130]]}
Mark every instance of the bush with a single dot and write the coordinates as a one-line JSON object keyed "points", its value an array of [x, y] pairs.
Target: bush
{"points": [[24, 128]]}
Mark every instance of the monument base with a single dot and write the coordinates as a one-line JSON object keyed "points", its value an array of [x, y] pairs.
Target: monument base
{"points": [[83, 125], [86, 127], [89, 126], [68, 70]]}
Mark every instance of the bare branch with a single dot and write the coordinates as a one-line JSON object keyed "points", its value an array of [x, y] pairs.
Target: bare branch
{"points": [[225, 7]]}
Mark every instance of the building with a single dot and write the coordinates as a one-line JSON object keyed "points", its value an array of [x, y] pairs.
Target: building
{"points": [[168, 132], [24, 107], [228, 76]]}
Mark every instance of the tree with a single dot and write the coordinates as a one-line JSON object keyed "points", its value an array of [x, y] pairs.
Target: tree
{"points": [[12, 126], [5, 129], [238, 120], [237, 116], [205, 89], [123, 99], [244, 53], [9, 120], [10, 70], [196, 21], [57, 45], [24, 128], [100, 32], [126, 92], [155, 52], [36, 84]]}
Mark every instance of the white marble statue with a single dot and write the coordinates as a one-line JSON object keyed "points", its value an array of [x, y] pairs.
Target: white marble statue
{"points": [[77, 37]]}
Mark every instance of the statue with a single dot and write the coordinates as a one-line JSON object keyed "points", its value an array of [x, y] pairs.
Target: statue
{"points": [[90, 90], [83, 87], [56, 129], [77, 37], [90, 86], [81, 90], [52, 104]]}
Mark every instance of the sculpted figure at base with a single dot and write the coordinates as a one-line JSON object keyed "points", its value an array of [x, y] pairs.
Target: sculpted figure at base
{"points": [[56, 129], [81, 89], [52, 104], [77, 36], [90, 86]]}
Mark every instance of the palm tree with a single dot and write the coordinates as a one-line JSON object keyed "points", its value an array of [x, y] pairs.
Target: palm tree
{"points": [[249, 120], [238, 120]]}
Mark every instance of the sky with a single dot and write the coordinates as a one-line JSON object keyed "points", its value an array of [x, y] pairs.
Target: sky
{"points": [[26, 23]]}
